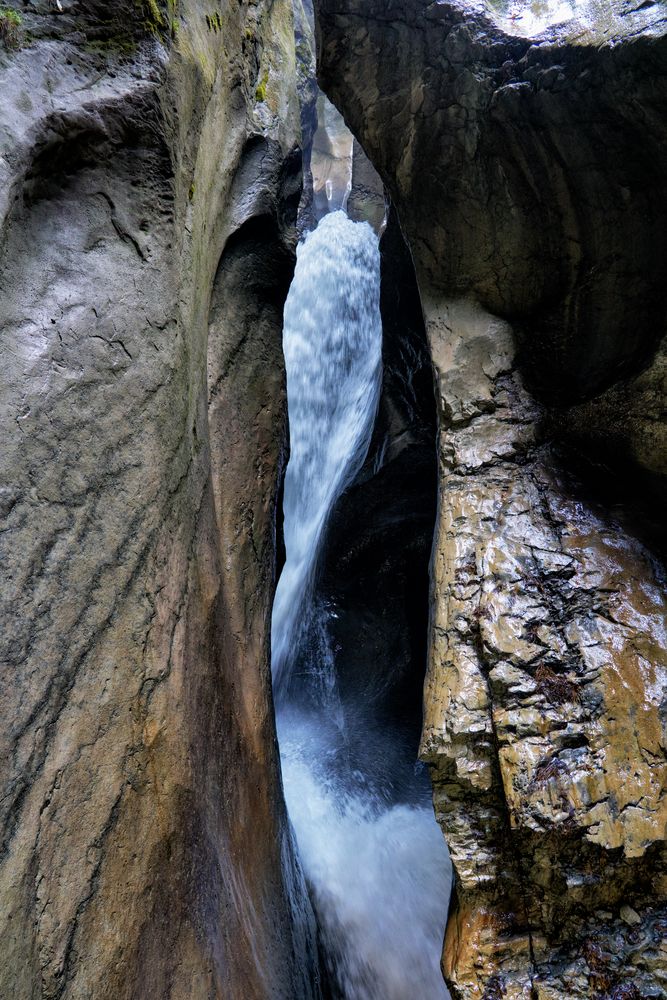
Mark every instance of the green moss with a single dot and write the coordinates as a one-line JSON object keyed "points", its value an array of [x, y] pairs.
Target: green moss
{"points": [[260, 92], [153, 19], [206, 66], [121, 46], [10, 27], [172, 18], [154, 12], [191, 192], [214, 22]]}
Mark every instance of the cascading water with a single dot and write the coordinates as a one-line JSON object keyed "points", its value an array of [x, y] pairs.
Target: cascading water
{"points": [[332, 342], [374, 857]]}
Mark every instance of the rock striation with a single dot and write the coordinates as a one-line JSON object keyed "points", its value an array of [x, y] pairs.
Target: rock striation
{"points": [[149, 178], [528, 171]]}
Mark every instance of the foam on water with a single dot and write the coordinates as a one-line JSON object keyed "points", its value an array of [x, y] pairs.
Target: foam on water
{"points": [[379, 874]]}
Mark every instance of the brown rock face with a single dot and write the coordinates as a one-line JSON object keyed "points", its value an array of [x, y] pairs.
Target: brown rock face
{"points": [[532, 197], [149, 181], [544, 704]]}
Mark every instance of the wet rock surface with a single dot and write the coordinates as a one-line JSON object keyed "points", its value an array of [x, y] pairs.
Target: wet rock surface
{"points": [[367, 201], [529, 193], [544, 700], [145, 851]]}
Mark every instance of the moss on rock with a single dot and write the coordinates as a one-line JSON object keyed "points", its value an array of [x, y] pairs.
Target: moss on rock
{"points": [[11, 24]]}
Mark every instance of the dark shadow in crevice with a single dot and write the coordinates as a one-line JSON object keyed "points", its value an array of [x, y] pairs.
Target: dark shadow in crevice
{"points": [[615, 486]]}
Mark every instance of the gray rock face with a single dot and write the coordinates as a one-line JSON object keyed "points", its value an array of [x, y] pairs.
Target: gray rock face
{"points": [[528, 172], [367, 202], [148, 184], [529, 176]]}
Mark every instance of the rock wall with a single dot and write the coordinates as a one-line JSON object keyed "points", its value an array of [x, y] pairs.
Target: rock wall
{"points": [[528, 173], [367, 202], [544, 703], [149, 176]]}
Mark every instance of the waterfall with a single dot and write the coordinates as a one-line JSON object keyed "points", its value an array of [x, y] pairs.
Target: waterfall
{"points": [[373, 855], [332, 342]]}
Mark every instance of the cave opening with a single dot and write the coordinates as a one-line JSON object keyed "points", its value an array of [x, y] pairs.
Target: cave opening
{"points": [[351, 614]]}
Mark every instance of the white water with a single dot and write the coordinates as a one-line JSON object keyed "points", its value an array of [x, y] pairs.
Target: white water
{"points": [[376, 863], [379, 873], [332, 341]]}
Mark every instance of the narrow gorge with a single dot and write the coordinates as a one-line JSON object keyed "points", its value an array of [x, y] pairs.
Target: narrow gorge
{"points": [[367, 836], [334, 619]]}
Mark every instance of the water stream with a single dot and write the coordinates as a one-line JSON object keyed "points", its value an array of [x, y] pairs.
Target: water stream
{"points": [[372, 852]]}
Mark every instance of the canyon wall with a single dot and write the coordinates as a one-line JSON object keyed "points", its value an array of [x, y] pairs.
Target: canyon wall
{"points": [[149, 178], [529, 177]]}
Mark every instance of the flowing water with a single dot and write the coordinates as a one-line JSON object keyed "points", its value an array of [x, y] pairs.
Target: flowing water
{"points": [[372, 852], [332, 340]]}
